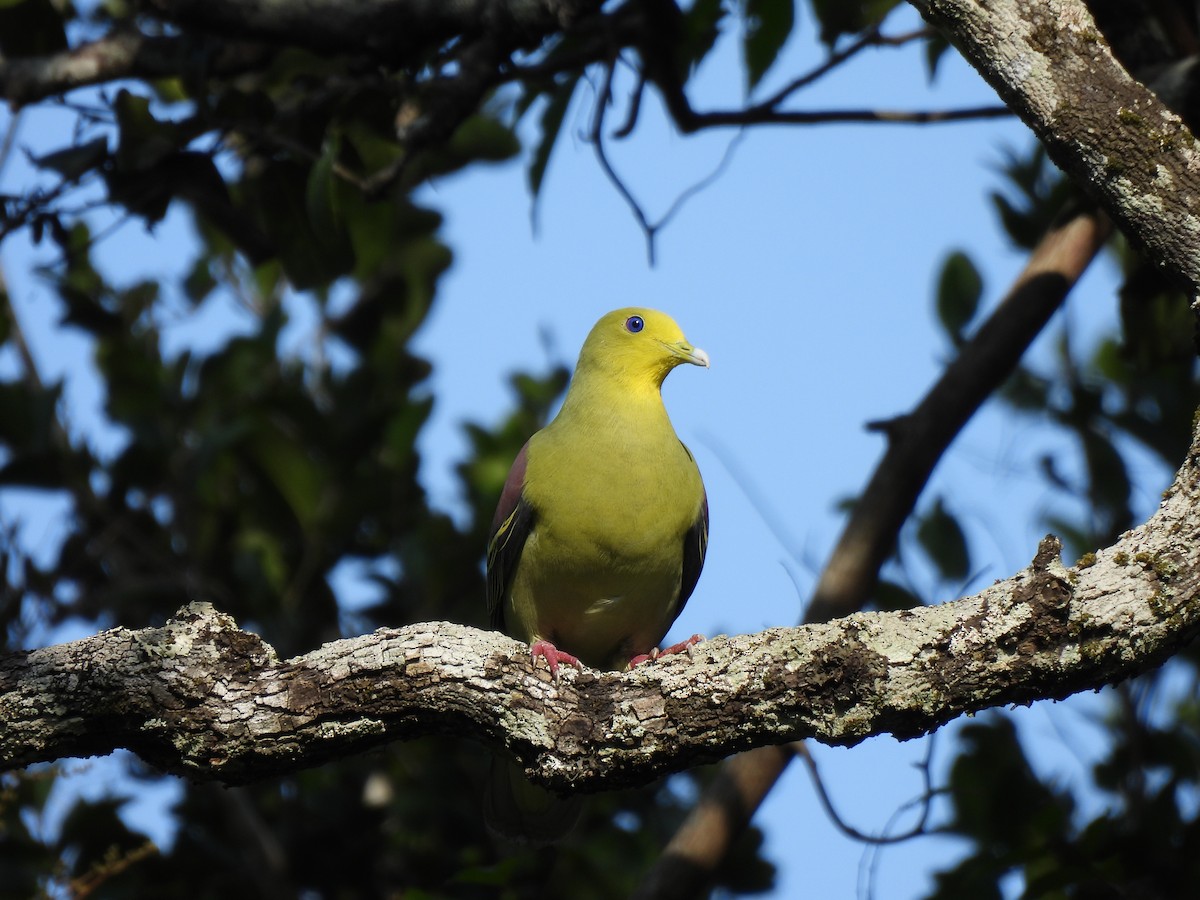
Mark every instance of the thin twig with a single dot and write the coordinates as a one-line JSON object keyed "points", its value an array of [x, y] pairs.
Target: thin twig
{"points": [[882, 840], [597, 140], [871, 38]]}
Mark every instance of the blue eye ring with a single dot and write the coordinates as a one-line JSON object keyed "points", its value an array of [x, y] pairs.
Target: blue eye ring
{"points": [[634, 324]]}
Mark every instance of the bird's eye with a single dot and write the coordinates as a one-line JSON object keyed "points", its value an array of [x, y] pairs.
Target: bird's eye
{"points": [[634, 324]]}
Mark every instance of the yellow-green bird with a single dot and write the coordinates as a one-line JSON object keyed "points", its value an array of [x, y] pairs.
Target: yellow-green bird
{"points": [[601, 529]]}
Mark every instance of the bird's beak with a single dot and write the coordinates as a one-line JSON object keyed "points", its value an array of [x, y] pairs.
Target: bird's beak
{"points": [[687, 353]]}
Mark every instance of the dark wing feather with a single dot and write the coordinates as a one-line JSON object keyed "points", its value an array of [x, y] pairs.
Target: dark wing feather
{"points": [[510, 527], [695, 545]]}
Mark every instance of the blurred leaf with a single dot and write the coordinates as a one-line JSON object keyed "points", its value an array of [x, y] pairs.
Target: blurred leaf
{"points": [[30, 28], [838, 17], [199, 281], [998, 798], [76, 161], [144, 140], [320, 196], [297, 477], [482, 138], [1109, 479], [277, 193], [936, 46], [766, 27], [1038, 194], [551, 124], [944, 541], [699, 32], [889, 595], [960, 287], [1025, 390]]}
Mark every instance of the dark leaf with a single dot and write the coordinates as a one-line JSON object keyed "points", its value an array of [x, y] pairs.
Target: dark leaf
{"points": [[701, 28], [890, 595], [30, 28], [944, 542], [959, 290], [936, 46], [74, 162], [551, 124], [838, 17], [767, 25]]}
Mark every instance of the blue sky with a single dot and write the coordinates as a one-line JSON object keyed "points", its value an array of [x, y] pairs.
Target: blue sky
{"points": [[806, 271]]}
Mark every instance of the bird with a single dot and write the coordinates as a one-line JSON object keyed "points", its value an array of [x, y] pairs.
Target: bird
{"points": [[600, 533]]}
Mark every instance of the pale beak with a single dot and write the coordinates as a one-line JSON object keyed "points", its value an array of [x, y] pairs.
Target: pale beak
{"points": [[687, 353]]}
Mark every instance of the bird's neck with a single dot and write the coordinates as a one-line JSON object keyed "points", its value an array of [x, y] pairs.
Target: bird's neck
{"points": [[610, 403]]}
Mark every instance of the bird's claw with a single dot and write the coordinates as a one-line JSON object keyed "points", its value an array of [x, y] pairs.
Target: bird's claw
{"points": [[681, 647], [553, 657]]}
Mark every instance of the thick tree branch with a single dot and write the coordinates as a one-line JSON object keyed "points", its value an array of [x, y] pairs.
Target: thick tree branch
{"points": [[201, 698], [1051, 65], [385, 28], [124, 54]]}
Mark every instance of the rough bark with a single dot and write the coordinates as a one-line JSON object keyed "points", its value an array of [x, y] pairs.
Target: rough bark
{"points": [[1052, 67], [200, 697]]}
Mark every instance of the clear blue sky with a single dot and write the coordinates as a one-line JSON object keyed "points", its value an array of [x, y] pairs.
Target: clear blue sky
{"points": [[806, 271]]}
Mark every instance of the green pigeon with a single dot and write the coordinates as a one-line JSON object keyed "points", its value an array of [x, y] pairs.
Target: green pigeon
{"points": [[600, 533]]}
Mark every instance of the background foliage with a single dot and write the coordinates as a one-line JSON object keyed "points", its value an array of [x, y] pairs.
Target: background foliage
{"points": [[248, 475]]}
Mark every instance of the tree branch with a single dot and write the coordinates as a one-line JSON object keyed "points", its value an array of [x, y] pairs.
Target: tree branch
{"points": [[1051, 65], [201, 698], [394, 29], [125, 54]]}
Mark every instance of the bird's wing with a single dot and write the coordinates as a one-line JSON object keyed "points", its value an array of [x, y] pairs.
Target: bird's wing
{"points": [[695, 545], [510, 527]]}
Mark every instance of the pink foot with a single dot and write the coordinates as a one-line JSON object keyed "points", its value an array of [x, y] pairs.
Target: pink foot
{"points": [[681, 647], [553, 657]]}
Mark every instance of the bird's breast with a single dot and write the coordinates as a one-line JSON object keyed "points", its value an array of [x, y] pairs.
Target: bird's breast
{"points": [[601, 569]]}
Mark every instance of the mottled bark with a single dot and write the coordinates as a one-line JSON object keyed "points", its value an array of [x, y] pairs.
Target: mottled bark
{"points": [[200, 697], [1054, 69]]}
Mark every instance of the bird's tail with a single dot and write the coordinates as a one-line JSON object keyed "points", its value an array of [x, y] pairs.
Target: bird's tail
{"points": [[517, 810]]}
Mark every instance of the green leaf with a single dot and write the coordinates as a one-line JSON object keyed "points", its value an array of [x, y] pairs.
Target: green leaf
{"points": [[768, 23], [552, 119], [944, 542], [294, 473], [482, 138], [960, 286], [320, 195]]}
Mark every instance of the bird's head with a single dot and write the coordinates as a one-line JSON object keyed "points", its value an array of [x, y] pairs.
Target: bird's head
{"points": [[638, 345]]}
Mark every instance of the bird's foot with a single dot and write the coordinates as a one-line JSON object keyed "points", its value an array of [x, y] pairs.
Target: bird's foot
{"points": [[681, 647], [553, 657]]}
